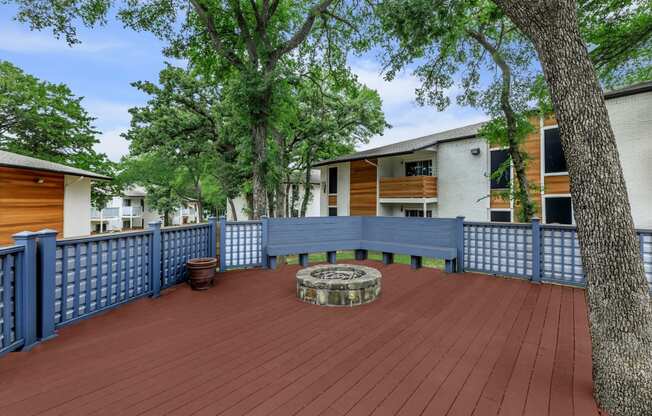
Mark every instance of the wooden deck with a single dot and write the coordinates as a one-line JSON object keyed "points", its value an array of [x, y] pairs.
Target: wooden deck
{"points": [[433, 344]]}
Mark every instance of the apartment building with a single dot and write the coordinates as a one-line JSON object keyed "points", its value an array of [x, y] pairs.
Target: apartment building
{"points": [[131, 211], [449, 173]]}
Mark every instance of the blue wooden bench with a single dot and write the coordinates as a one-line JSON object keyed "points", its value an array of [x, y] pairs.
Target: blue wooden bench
{"points": [[416, 237]]}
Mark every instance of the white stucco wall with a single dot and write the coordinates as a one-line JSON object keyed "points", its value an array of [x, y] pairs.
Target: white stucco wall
{"points": [[463, 180], [631, 121], [76, 206]]}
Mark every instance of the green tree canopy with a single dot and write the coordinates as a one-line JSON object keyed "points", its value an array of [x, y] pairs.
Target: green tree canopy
{"points": [[48, 121]]}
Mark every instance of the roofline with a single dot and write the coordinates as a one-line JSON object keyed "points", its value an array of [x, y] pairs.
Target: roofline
{"points": [[407, 152], [91, 175], [645, 86], [633, 90]]}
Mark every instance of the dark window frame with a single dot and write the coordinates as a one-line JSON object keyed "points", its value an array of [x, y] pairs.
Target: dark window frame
{"points": [[330, 213], [546, 198], [504, 181], [544, 156], [332, 184], [500, 211], [420, 211], [421, 167]]}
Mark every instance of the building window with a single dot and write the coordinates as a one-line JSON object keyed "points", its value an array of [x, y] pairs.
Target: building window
{"points": [[418, 168], [498, 158], [555, 161], [500, 216], [559, 210], [417, 213], [332, 180], [332, 211]]}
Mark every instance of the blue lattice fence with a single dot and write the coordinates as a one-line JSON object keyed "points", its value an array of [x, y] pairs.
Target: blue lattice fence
{"points": [[241, 244], [96, 273], [504, 249], [550, 253], [10, 290], [179, 244]]}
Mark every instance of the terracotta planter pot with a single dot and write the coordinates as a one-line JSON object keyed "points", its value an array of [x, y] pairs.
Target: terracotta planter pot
{"points": [[201, 272]]}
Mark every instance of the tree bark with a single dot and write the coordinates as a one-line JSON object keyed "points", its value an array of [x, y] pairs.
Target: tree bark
{"points": [[307, 189], [259, 135], [620, 314], [234, 212]]}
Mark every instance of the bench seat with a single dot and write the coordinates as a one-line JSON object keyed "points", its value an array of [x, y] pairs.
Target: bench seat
{"points": [[446, 253], [316, 247]]}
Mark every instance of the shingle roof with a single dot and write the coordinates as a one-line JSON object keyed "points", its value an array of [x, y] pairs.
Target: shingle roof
{"points": [[409, 146], [25, 162], [465, 132]]}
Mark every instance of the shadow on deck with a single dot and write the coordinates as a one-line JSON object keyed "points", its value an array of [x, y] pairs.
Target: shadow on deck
{"points": [[433, 344]]}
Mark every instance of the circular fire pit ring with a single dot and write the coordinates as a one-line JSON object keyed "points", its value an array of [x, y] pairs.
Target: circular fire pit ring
{"points": [[338, 284]]}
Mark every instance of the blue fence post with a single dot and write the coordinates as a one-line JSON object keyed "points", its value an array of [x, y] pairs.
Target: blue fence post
{"points": [[28, 307], [46, 269], [460, 243], [536, 250], [222, 243], [212, 241], [265, 240], [155, 226]]}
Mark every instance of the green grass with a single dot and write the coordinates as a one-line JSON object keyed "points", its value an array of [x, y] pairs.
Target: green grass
{"points": [[373, 255]]}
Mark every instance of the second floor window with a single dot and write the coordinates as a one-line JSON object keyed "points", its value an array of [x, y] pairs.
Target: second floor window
{"points": [[555, 161], [332, 180], [498, 159], [418, 168]]}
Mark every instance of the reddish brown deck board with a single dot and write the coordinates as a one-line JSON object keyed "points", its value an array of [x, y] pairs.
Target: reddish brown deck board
{"points": [[434, 343]]}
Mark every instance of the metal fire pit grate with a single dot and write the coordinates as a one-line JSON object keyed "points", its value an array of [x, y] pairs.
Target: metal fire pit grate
{"points": [[338, 285]]}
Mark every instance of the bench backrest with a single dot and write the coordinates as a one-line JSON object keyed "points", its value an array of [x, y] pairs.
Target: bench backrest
{"points": [[440, 232], [313, 230]]}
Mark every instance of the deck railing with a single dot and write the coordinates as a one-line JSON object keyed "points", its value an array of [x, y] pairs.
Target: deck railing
{"points": [[46, 284], [408, 187]]}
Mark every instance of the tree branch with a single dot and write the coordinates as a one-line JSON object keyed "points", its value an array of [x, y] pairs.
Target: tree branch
{"points": [[300, 35], [244, 31], [215, 39]]}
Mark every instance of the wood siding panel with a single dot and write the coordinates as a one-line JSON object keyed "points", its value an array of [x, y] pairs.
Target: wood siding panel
{"points": [[557, 184], [363, 188], [409, 187], [497, 201], [332, 200], [26, 205]]}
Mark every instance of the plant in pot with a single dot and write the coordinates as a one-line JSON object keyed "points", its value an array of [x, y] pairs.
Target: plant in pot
{"points": [[201, 272]]}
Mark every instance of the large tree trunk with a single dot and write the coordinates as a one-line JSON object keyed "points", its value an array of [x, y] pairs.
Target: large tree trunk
{"points": [[620, 314], [259, 134], [234, 212], [307, 190]]}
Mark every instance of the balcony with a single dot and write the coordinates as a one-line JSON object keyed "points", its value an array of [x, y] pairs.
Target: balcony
{"points": [[105, 214], [134, 211], [408, 187]]}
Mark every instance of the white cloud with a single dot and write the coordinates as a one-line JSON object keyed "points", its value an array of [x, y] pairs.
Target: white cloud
{"points": [[108, 113], [114, 145], [23, 41], [408, 119]]}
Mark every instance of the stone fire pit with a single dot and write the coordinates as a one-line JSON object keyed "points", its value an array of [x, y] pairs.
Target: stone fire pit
{"points": [[338, 284]]}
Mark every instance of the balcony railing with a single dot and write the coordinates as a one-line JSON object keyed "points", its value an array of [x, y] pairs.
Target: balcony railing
{"points": [[409, 187], [134, 211], [105, 213]]}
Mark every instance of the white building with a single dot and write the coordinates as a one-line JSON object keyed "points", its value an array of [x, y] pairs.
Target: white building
{"points": [[131, 211], [312, 210], [447, 174]]}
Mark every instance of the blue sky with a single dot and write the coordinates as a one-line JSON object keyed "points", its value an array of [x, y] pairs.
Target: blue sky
{"points": [[111, 57]]}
